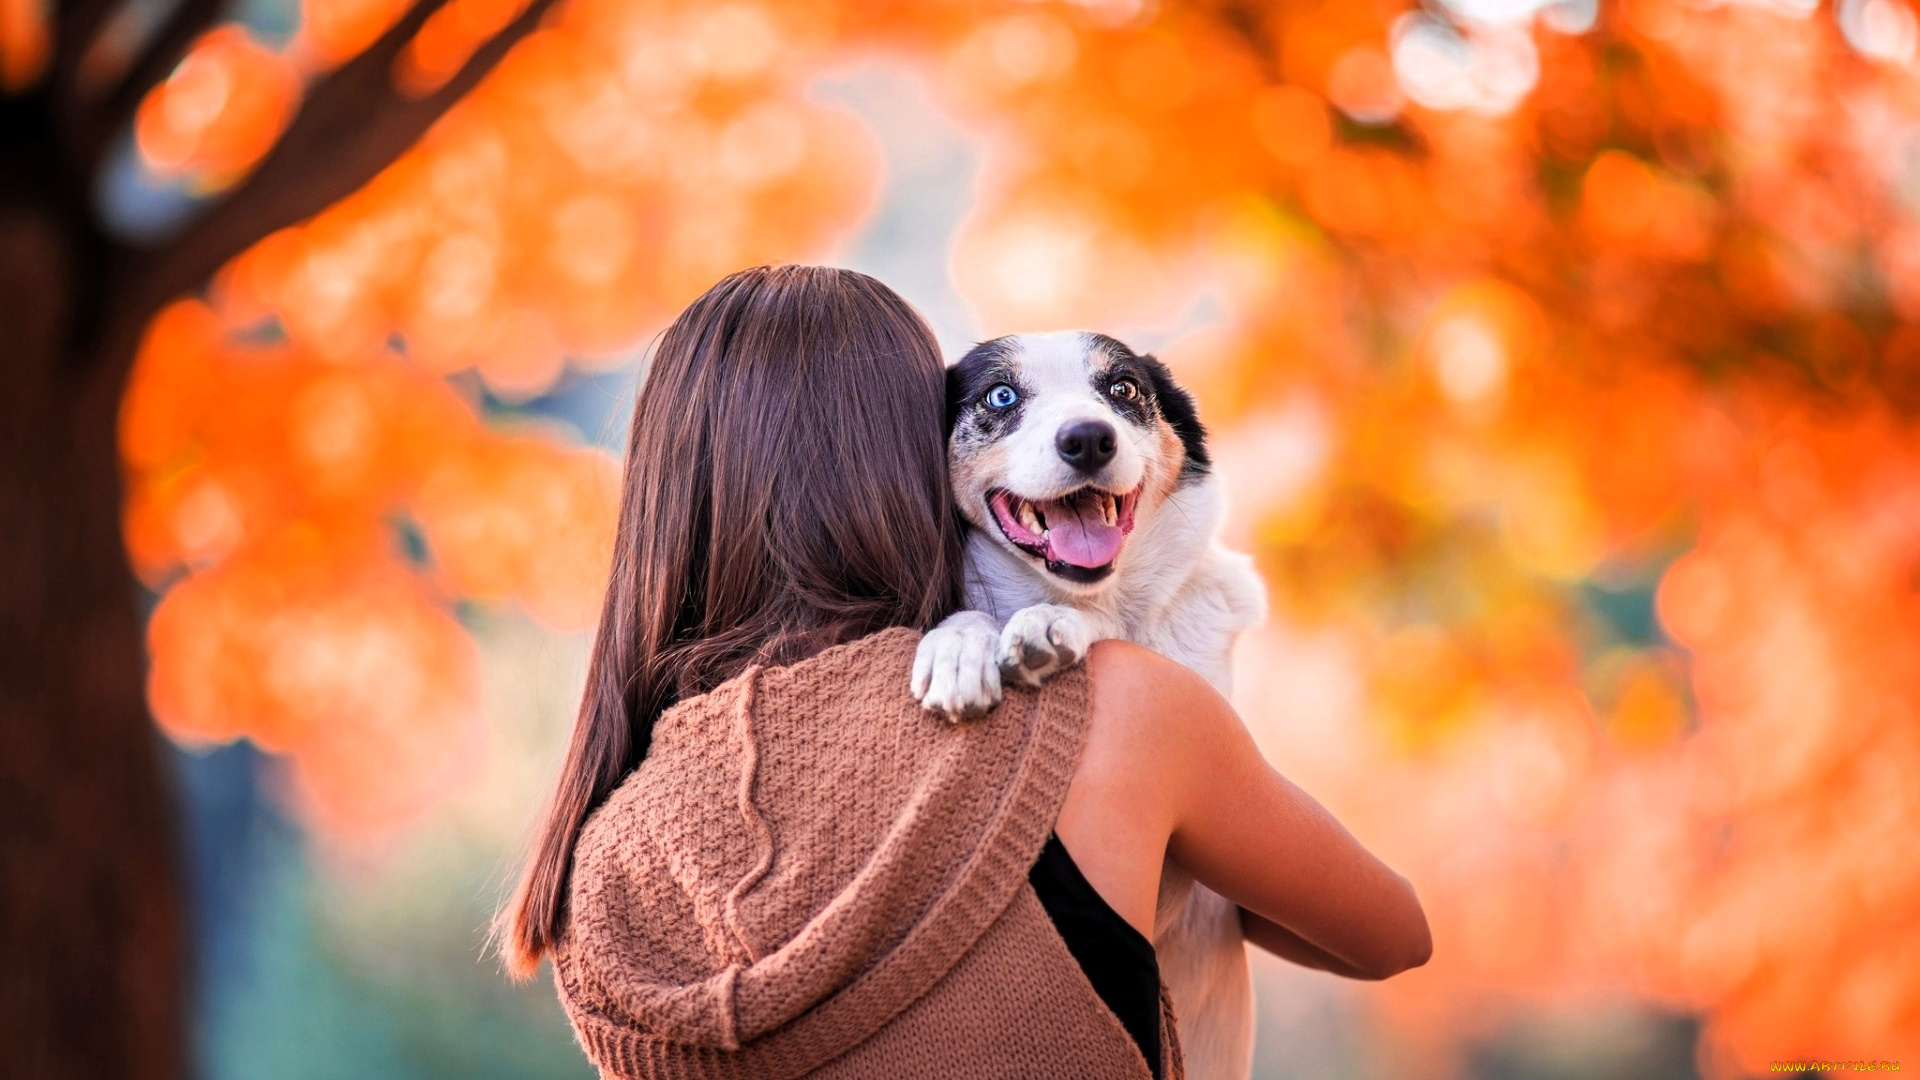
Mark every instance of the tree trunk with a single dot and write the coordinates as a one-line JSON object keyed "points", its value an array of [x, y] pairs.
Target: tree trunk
{"points": [[92, 981]]}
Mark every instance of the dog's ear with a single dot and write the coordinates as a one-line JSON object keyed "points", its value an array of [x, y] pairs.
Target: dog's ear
{"points": [[1176, 406]]}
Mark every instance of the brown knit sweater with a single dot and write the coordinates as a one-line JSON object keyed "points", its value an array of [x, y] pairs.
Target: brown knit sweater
{"points": [[810, 876]]}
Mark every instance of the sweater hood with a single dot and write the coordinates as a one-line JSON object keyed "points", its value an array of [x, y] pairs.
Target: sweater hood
{"points": [[802, 854]]}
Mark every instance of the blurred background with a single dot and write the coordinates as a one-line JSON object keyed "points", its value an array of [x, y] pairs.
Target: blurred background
{"points": [[1562, 360]]}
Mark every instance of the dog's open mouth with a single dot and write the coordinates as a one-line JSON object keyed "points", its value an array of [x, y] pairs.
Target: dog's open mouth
{"points": [[1077, 535]]}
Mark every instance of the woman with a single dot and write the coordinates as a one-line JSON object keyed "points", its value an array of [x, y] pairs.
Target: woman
{"points": [[762, 859]]}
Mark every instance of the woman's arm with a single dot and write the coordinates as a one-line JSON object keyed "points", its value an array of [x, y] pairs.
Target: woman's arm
{"points": [[1288, 945], [1312, 894]]}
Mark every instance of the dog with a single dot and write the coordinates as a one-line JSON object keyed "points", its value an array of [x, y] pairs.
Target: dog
{"points": [[1082, 470]]}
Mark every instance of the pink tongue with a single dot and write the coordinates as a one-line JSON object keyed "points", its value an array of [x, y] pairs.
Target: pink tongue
{"points": [[1078, 536]]}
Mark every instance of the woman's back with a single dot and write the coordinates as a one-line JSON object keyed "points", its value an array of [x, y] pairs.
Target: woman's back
{"points": [[785, 489], [832, 880]]}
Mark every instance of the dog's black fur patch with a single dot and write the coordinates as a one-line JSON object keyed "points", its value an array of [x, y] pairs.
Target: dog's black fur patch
{"points": [[1140, 410], [985, 366], [1177, 406], [1173, 401]]}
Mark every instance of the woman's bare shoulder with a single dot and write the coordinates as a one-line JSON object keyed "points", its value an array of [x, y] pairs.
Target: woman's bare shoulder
{"points": [[1124, 663], [1140, 691], [1155, 727]]}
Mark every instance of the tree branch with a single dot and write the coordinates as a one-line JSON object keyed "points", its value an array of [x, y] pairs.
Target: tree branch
{"points": [[1250, 23], [75, 24], [74, 119], [352, 125]]}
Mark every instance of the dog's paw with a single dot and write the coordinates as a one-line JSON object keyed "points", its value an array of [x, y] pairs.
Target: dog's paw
{"points": [[955, 674], [1041, 641]]}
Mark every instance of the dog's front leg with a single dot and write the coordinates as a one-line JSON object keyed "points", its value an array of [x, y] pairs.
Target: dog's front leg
{"points": [[955, 670], [1041, 641]]}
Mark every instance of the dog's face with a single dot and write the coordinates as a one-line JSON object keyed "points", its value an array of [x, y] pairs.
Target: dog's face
{"points": [[1062, 443]]}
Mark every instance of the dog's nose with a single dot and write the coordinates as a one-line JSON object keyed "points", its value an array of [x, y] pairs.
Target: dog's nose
{"points": [[1085, 444]]}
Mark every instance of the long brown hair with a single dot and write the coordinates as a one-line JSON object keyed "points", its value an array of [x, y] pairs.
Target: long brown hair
{"points": [[785, 490]]}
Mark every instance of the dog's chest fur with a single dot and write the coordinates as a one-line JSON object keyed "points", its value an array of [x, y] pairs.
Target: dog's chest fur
{"points": [[1186, 596]]}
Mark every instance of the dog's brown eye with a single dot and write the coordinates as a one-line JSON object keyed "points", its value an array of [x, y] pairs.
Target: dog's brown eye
{"points": [[1124, 389]]}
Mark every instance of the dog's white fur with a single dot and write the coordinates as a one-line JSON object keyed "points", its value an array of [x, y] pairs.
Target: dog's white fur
{"points": [[1174, 589]]}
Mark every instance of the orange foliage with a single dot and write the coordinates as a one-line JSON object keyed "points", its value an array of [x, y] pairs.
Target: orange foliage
{"points": [[290, 489], [1478, 366], [307, 488], [449, 37], [25, 43], [219, 111], [333, 32], [1504, 330]]}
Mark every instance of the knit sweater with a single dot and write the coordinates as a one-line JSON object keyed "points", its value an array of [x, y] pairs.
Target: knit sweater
{"points": [[808, 875]]}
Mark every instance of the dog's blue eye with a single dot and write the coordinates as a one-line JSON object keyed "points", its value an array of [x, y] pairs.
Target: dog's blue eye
{"points": [[1001, 397]]}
